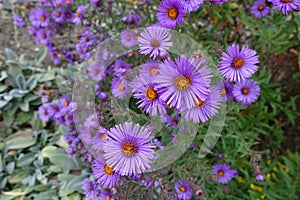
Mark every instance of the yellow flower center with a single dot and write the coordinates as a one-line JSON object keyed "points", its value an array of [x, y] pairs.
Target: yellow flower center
{"points": [[200, 103], [155, 43], [44, 36], [261, 7], [121, 87], [58, 14], [223, 91], [129, 148], [151, 94], [107, 197], [182, 83], [286, 1], [108, 170], [174, 122], [68, 2], [172, 13], [66, 103], [103, 137], [78, 14], [220, 173], [238, 63], [182, 189], [68, 15], [127, 37], [153, 71], [96, 71], [43, 17], [245, 91]]}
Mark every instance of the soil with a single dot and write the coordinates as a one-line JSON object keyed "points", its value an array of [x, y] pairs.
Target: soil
{"points": [[282, 67]]}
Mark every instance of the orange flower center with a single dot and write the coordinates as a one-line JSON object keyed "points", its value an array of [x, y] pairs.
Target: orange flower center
{"points": [[68, 15], [155, 43], [151, 94], [78, 14], [200, 103], [245, 91], [153, 71], [174, 122], [107, 197], [103, 137], [66, 103], [182, 83], [129, 148], [172, 13], [220, 173], [43, 17], [96, 71], [286, 1], [44, 36], [108, 170], [182, 189], [68, 2], [58, 14], [238, 63], [223, 91], [261, 7], [121, 87], [127, 37]]}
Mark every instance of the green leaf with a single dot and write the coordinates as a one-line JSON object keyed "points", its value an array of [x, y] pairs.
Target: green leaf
{"points": [[41, 55], [3, 75], [24, 106], [10, 54], [49, 76], [24, 117], [3, 103], [63, 161], [10, 167], [18, 178], [31, 83], [21, 140], [26, 159], [14, 68], [3, 87], [1, 165], [8, 120]]}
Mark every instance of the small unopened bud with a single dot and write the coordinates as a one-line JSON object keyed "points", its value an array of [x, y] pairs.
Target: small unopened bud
{"points": [[199, 192]]}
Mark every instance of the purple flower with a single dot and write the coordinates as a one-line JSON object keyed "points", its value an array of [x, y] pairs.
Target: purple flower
{"points": [[260, 9], [238, 65], [128, 38], [57, 15], [43, 36], [68, 16], [259, 177], [183, 190], [158, 144], [149, 98], [128, 149], [104, 173], [120, 87], [44, 113], [182, 83], [121, 67], [218, 2], [286, 5], [149, 69], [58, 3], [224, 172], [54, 110], [171, 13], [68, 2], [64, 102], [94, 2], [106, 195], [54, 57], [39, 17], [225, 90], [19, 21], [246, 91], [46, 2], [192, 5], [154, 41], [90, 189], [96, 71], [80, 12], [204, 109], [172, 121]]}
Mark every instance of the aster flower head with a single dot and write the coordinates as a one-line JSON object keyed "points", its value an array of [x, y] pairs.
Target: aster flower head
{"points": [[246, 91], [286, 6], [44, 113], [225, 90], [90, 189], [192, 5], [205, 109], [19, 21], [64, 102], [260, 9], [43, 36], [224, 172], [68, 16], [121, 67], [237, 64], [96, 71], [58, 3], [39, 17], [79, 15], [259, 177], [183, 190], [149, 69], [55, 111], [182, 82], [154, 41], [57, 15], [143, 89], [171, 13], [68, 2], [120, 87], [173, 121], [128, 38], [104, 173], [218, 2], [128, 149], [106, 195]]}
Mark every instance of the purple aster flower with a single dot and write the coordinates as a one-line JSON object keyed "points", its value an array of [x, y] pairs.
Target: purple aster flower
{"points": [[260, 9], [120, 87], [174, 138], [205, 109], [39, 17], [68, 16], [154, 41], [106, 195], [64, 102], [224, 172], [259, 177], [46, 2], [220, 156], [68, 2], [92, 121], [158, 144], [96, 71], [54, 110], [149, 98], [104, 173], [128, 149], [171, 13], [150, 69], [95, 2], [225, 90], [57, 15], [192, 5], [238, 65], [44, 113], [183, 190], [87, 38], [80, 12], [121, 67], [286, 5], [58, 3], [19, 21], [246, 91], [218, 2], [54, 57], [90, 189], [98, 140], [68, 119], [128, 38], [182, 83], [172, 121], [43, 36]]}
